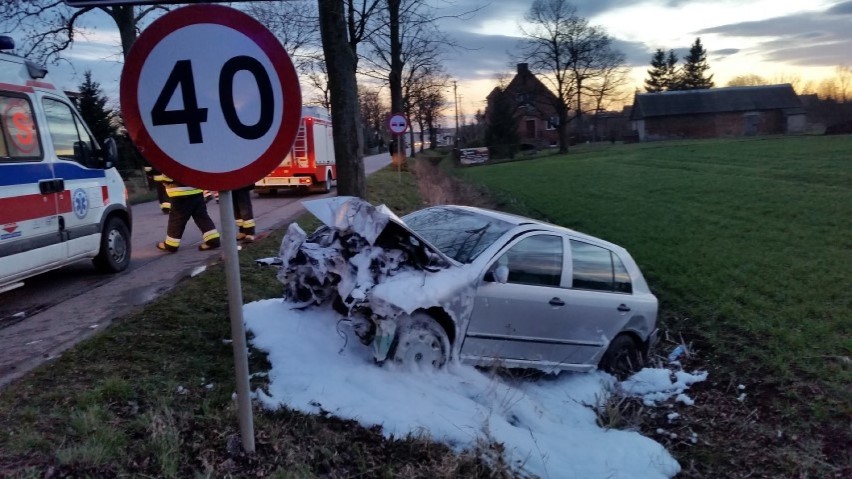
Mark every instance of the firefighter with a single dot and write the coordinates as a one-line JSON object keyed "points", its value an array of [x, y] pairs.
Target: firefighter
{"points": [[162, 197], [186, 202], [243, 213]]}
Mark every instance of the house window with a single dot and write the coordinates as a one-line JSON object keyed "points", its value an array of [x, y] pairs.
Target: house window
{"points": [[552, 123], [530, 128]]}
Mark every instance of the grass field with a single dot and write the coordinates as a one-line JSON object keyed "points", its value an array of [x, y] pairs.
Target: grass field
{"points": [[748, 245]]}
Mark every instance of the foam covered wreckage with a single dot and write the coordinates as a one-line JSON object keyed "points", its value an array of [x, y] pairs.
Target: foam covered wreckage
{"points": [[359, 247]]}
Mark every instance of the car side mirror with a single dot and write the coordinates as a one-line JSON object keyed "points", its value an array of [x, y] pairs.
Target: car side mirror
{"points": [[109, 152], [82, 153], [499, 274]]}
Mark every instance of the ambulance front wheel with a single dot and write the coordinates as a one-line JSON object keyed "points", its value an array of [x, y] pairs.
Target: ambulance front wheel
{"points": [[114, 255]]}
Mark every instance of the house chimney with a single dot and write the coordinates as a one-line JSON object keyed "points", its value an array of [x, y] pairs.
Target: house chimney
{"points": [[523, 68]]}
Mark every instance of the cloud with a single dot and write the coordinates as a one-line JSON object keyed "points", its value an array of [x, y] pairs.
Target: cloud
{"points": [[481, 56], [807, 39]]}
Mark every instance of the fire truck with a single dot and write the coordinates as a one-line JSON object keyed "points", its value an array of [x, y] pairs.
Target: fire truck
{"points": [[310, 163]]}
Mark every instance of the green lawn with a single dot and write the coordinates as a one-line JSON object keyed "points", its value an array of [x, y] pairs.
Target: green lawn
{"points": [[747, 243]]}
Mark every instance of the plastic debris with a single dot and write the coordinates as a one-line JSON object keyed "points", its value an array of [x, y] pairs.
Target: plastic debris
{"points": [[677, 352]]}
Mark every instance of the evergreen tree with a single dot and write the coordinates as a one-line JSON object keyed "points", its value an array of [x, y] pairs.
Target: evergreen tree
{"points": [[657, 75], [501, 133], [92, 106], [694, 69], [672, 78]]}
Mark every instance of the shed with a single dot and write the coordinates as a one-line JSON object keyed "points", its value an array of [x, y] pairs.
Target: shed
{"points": [[718, 112]]}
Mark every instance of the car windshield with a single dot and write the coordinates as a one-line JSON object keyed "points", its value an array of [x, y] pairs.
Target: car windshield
{"points": [[459, 234]]}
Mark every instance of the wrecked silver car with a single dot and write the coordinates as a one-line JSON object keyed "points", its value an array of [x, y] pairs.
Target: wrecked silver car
{"points": [[461, 283]]}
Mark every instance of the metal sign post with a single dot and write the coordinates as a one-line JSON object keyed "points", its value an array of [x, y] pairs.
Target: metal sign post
{"points": [[398, 125], [235, 310], [214, 118]]}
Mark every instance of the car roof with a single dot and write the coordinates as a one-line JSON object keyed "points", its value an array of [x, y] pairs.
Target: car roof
{"points": [[533, 224]]}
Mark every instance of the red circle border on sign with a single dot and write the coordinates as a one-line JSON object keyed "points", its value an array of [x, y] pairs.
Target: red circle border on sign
{"points": [[391, 117], [290, 89]]}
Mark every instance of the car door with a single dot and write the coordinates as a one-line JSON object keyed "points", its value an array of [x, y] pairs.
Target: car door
{"points": [[29, 227], [85, 194], [522, 322], [600, 297]]}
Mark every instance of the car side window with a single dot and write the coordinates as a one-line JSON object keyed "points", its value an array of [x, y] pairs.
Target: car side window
{"points": [[66, 130], [19, 140], [598, 269], [535, 260]]}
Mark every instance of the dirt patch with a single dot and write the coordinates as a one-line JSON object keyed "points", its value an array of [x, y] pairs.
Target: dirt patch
{"points": [[439, 188]]}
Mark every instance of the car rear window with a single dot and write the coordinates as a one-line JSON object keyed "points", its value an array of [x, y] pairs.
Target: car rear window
{"points": [[598, 269], [460, 234]]}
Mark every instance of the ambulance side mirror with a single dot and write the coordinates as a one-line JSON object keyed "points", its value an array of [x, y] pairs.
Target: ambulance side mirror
{"points": [[83, 153], [109, 152]]}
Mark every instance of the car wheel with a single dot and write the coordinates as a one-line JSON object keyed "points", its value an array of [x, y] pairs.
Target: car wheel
{"points": [[622, 358], [114, 255], [421, 342]]}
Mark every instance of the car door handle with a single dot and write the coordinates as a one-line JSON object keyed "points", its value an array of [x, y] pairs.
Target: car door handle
{"points": [[623, 308], [557, 302]]}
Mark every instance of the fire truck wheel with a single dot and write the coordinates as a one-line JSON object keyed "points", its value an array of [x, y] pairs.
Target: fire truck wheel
{"points": [[114, 255]]}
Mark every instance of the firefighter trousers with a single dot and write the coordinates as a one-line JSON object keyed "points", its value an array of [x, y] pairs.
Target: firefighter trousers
{"points": [[241, 198], [184, 208]]}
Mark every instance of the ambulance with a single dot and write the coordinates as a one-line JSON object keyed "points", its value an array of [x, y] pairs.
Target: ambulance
{"points": [[310, 163], [61, 198]]}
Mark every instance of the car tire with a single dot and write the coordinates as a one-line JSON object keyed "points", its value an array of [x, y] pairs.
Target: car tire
{"points": [[420, 343], [622, 358], [114, 254]]}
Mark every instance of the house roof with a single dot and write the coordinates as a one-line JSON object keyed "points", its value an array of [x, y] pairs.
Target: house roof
{"points": [[526, 81], [717, 100]]}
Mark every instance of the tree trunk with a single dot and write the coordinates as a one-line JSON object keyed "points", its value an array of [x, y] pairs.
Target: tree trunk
{"points": [[343, 89], [125, 20], [562, 128]]}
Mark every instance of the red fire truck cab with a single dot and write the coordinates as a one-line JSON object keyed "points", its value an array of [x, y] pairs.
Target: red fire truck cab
{"points": [[310, 164]]}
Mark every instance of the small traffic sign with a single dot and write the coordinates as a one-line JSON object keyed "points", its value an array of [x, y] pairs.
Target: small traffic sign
{"points": [[210, 97], [397, 124]]}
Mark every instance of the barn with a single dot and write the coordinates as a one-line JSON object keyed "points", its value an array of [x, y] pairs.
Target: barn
{"points": [[718, 113]]}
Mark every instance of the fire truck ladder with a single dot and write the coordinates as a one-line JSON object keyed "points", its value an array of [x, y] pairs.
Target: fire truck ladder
{"points": [[300, 146]]}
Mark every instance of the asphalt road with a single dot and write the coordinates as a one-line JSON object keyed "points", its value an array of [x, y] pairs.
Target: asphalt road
{"points": [[58, 309]]}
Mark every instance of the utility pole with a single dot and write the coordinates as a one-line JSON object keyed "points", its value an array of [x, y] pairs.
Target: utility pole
{"points": [[456, 100]]}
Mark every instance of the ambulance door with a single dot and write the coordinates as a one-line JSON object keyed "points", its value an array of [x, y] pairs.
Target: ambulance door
{"points": [[82, 202], [29, 226]]}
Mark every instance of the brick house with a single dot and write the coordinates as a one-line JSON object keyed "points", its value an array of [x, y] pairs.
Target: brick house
{"points": [[534, 108], [718, 112]]}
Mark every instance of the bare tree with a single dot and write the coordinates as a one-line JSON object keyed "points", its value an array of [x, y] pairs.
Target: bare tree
{"points": [[46, 28], [749, 79], [317, 76], [374, 112], [294, 23], [546, 51], [844, 83], [573, 55], [608, 86], [408, 49]]}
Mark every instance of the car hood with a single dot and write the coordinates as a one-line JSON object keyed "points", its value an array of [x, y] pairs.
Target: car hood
{"points": [[353, 214]]}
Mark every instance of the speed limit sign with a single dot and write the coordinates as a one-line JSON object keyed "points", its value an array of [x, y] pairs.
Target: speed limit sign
{"points": [[210, 97]]}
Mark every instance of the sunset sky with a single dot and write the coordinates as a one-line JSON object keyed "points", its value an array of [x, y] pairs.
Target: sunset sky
{"points": [[769, 38]]}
